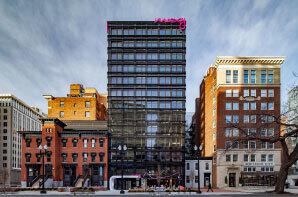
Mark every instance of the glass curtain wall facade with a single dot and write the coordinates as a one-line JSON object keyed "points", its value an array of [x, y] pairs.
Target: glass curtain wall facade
{"points": [[146, 96]]}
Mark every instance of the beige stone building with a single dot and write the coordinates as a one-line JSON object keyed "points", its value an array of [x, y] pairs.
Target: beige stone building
{"points": [[238, 97]]}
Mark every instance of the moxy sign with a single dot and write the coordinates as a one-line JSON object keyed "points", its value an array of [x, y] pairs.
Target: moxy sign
{"points": [[180, 21]]}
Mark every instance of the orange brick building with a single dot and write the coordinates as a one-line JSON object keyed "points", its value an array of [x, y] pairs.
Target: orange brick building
{"points": [[78, 142], [238, 97], [80, 104]]}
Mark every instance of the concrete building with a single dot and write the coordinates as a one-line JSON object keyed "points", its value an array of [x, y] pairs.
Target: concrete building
{"points": [[15, 115], [238, 97], [146, 95], [80, 104], [292, 142], [191, 172]]}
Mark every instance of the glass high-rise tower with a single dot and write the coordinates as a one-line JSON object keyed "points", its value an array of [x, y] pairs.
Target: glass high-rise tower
{"points": [[146, 97]]}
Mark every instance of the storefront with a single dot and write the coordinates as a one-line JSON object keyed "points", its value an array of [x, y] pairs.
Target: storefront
{"points": [[258, 178]]}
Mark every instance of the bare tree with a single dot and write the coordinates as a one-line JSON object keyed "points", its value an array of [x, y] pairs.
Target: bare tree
{"points": [[285, 130]]}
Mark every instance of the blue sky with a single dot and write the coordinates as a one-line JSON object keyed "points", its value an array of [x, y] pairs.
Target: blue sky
{"points": [[46, 45]]}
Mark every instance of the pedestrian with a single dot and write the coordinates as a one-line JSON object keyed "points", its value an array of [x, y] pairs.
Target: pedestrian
{"points": [[209, 187]]}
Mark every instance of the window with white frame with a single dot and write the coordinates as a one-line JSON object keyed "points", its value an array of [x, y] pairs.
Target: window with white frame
{"points": [[253, 92], [246, 119], [270, 158], [271, 106], [253, 105], [228, 93], [228, 76], [245, 157], [245, 93], [228, 119], [228, 132], [235, 106], [263, 106], [92, 143], [252, 157], [263, 157], [228, 106], [245, 106], [252, 144], [85, 143], [235, 132], [263, 93], [228, 158], [271, 93], [235, 93]]}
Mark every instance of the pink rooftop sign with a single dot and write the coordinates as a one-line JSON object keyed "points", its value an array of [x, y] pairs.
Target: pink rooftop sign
{"points": [[181, 21]]}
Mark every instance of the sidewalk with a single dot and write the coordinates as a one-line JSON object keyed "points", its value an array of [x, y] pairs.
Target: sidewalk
{"points": [[253, 189]]}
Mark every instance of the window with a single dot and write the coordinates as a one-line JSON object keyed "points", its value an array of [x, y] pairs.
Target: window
{"points": [[246, 119], [245, 93], [245, 157], [87, 114], [228, 158], [263, 93], [235, 106], [235, 145], [187, 166], [228, 93], [61, 114], [252, 157], [228, 118], [64, 157], [74, 142], [228, 106], [253, 76], [271, 93], [64, 142], [196, 166], [228, 132], [235, 132], [263, 158], [61, 103], [28, 156], [253, 106], [93, 143], [270, 158], [235, 158], [252, 144], [235, 76], [87, 104], [271, 106], [101, 157], [263, 76], [228, 76], [253, 118], [235, 119], [253, 93], [101, 143], [74, 157], [28, 141], [245, 106], [246, 76], [263, 106], [93, 157], [85, 142], [207, 166], [235, 93], [270, 76], [85, 157]]}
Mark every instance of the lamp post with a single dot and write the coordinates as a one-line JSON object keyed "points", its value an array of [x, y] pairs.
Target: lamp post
{"points": [[45, 147], [122, 148], [199, 154]]}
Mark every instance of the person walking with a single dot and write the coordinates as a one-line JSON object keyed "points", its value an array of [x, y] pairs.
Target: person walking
{"points": [[209, 187]]}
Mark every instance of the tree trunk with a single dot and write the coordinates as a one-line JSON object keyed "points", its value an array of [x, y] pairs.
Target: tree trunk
{"points": [[281, 178]]}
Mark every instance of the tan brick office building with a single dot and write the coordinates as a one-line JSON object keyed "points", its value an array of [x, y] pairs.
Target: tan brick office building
{"points": [[241, 91], [80, 104]]}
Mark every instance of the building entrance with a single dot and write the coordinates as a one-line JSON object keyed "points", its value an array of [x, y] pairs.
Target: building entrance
{"points": [[232, 179]]}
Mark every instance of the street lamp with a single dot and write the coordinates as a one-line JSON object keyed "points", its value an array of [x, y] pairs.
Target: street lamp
{"points": [[45, 147], [199, 154], [122, 148]]}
